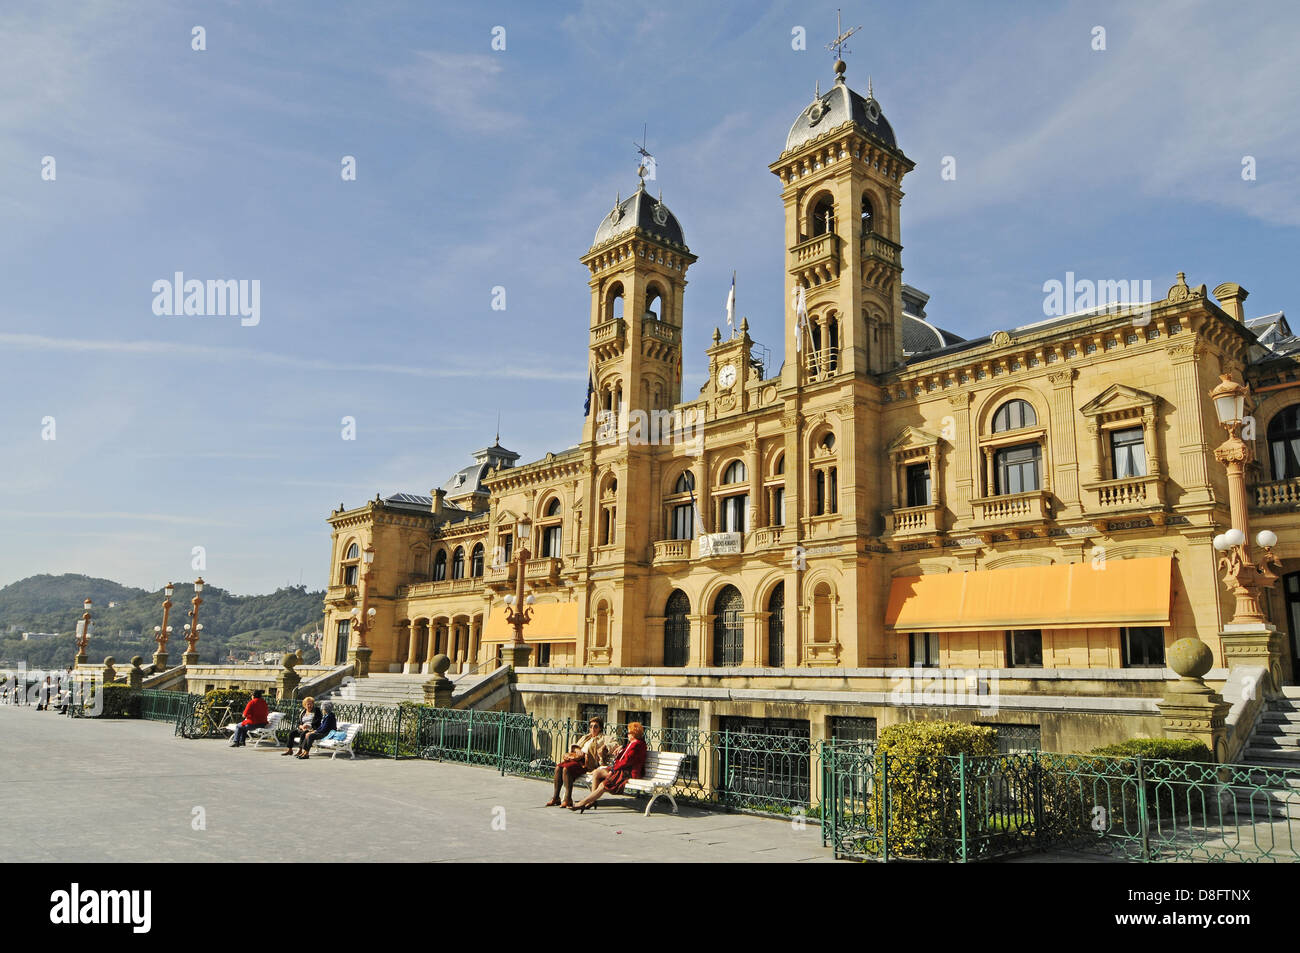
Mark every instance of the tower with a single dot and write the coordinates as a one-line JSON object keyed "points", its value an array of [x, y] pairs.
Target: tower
{"points": [[841, 174], [638, 264]]}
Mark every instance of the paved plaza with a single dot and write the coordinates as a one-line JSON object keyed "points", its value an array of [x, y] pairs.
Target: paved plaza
{"points": [[128, 791]]}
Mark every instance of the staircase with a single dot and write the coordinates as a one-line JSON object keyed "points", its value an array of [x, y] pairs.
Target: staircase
{"points": [[1273, 745], [390, 690]]}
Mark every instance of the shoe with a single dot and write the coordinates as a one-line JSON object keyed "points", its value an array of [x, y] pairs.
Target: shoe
{"points": [[303, 756], [553, 802], [233, 745], [568, 804], [286, 752]]}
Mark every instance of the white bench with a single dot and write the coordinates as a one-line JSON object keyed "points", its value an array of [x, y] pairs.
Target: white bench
{"points": [[660, 773], [336, 747], [265, 733]]}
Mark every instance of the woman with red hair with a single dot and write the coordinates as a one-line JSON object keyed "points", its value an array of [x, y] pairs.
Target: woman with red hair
{"points": [[629, 765]]}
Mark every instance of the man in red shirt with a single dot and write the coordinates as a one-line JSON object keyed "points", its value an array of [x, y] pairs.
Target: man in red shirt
{"points": [[255, 715]]}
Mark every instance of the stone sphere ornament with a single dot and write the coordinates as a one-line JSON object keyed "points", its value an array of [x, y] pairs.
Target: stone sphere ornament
{"points": [[1190, 658], [440, 664]]}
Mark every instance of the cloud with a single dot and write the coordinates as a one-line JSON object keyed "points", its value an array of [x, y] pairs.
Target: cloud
{"points": [[502, 369], [465, 89]]}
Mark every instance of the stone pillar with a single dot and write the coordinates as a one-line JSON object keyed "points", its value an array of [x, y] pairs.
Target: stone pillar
{"points": [[438, 690], [413, 647], [751, 652], [360, 659], [1064, 452], [109, 673], [964, 481], [514, 654], [135, 674], [1190, 708], [160, 660], [1255, 644], [1193, 443], [287, 680]]}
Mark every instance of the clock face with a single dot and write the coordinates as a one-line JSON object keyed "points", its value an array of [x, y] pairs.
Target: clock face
{"points": [[727, 376]]}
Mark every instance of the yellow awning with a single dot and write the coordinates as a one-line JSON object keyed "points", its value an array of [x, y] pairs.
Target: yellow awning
{"points": [[1074, 596], [551, 621]]}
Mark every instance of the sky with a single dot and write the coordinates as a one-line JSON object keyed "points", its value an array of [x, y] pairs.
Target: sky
{"points": [[128, 438]]}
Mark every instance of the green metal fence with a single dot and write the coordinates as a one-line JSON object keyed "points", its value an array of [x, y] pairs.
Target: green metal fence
{"points": [[164, 706], [962, 808]]}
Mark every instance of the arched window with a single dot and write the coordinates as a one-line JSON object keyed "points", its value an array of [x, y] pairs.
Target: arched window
{"points": [[614, 302], [776, 493], [458, 563], [823, 216], [677, 630], [552, 531], [735, 473], [1284, 443], [476, 561], [351, 566], [654, 303], [779, 469], [728, 627], [608, 510], [776, 626], [821, 613], [735, 506], [1013, 415], [685, 483], [825, 478], [440, 566], [868, 216]]}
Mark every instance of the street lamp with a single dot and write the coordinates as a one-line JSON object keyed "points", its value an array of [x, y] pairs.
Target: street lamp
{"points": [[1241, 574], [161, 633], [193, 628], [83, 638], [519, 608]]}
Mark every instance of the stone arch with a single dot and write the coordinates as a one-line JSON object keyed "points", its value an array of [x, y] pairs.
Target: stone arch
{"points": [[989, 406], [1019, 559], [613, 305]]}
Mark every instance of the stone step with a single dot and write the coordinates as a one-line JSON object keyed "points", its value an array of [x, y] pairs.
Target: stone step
{"points": [[1280, 717], [1274, 757], [1279, 728], [1261, 742]]}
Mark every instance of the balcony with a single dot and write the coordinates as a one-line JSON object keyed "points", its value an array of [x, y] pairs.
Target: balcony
{"points": [[913, 521], [544, 570], [1278, 495], [816, 260], [609, 338], [672, 550], [879, 260], [821, 363], [338, 595], [769, 537], [659, 336], [1012, 509], [1126, 495], [444, 587]]}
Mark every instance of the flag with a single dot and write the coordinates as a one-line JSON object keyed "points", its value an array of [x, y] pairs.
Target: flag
{"points": [[801, 314], [695, 510], [591, 388], [731, 303]]}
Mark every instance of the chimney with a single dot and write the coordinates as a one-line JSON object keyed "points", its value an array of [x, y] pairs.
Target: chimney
{"points": [[438, 496], [1232, 299]]}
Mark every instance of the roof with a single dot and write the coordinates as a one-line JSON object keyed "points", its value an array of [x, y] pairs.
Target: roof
{"points": [[834, 108], [470, 479], [644, 213], [920, 336], [1274, 337]]}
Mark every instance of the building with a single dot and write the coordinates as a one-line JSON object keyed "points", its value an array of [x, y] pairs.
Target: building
{"points": [[1035, 506]]}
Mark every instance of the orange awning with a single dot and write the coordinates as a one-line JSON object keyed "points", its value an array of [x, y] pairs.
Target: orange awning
{"points": [[1074, 596], [551, 621]]}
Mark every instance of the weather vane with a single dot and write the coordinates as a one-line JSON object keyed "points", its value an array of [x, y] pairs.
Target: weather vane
{"points": [[646, 168], [836, 45]]}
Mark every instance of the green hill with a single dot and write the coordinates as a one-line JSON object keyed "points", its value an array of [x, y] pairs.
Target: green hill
{"points": [[242, 624]]}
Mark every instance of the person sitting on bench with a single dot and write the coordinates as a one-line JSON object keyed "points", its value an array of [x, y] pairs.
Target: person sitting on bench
{"points": [[630, 764], [323, 727], [309, 720], [255, 716], [584, 755]]}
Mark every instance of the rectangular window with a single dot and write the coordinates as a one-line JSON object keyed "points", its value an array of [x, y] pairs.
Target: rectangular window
{"points": [[683, 522], [918, 484], [1015, 470], [589, 712], [835, 490], [861, 730], [734, 511], [1128, 454], [924, 650], [682, 734], [1143, 646], [543, 655], [350, 576], [507, 541], [1015, 739], [341, 644], [626, 718], [1025, 648], [551, 541], [778, 506]]}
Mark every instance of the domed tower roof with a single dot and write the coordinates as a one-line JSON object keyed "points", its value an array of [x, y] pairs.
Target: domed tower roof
{"points": [[834, 108], [642, 212]]}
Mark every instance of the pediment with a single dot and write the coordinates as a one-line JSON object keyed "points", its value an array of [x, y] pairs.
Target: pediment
{"points": [[1118, 397], [910, 437]]}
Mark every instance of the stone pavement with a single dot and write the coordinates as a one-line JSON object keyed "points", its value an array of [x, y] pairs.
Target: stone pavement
{"points": [[128, 791]]}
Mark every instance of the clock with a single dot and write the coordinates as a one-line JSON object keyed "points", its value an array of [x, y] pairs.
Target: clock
{"points": [[727, 376]]}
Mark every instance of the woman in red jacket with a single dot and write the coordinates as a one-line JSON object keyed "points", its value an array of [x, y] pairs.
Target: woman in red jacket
{"points": [[629, 765]]}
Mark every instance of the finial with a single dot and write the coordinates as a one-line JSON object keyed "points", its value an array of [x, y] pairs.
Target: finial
{"points": [[744, 325], [717, 335], [818, 90], [661, 196], [871, 93]]}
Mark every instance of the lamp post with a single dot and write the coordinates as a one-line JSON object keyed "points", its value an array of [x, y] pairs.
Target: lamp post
{"points": [[363, 617], [519, 611], [161, 633], [1248, 639], [83, 637], [193, 628]]}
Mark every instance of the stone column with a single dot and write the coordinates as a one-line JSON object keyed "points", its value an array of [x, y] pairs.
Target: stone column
{"points": [[1064, 451], [701, 643], [751, 654], [964, 479], [413, 646], [438, 689], [1190, 708], [1193, 443], [287, 680]]}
